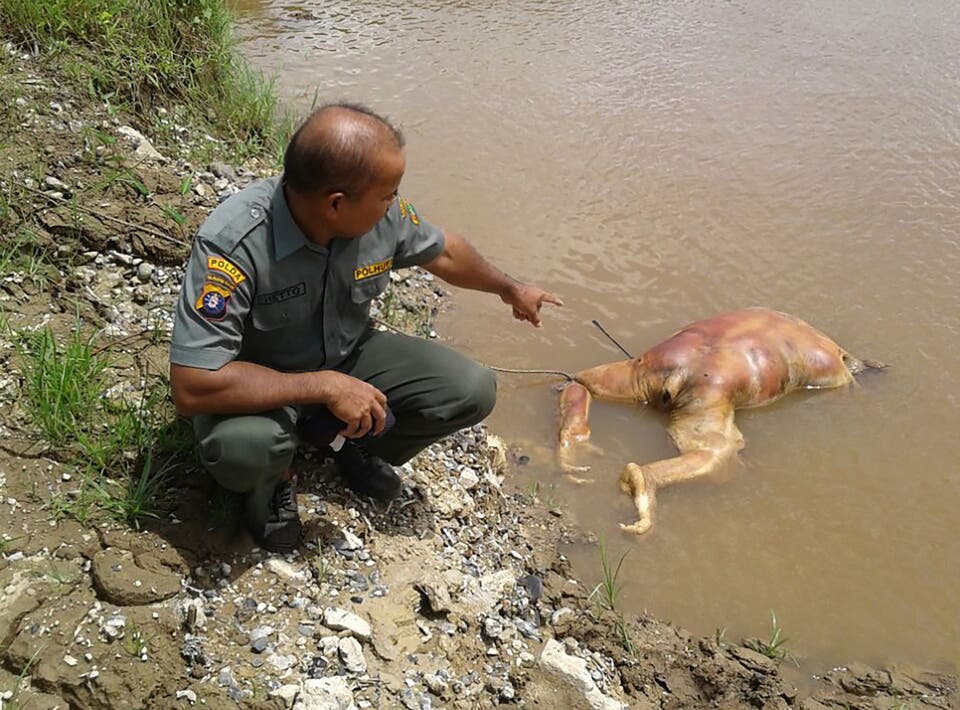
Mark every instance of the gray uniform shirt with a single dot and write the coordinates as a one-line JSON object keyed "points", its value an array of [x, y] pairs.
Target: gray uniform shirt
{"points": [[256, 289]]}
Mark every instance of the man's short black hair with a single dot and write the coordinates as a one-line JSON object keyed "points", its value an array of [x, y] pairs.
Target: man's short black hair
{"points": [[321, 159]]}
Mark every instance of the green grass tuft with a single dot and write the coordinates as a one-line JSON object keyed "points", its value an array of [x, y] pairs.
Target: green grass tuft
{"points": [[60, 382], [606, 593], [773, 648], [124, 450], [145, 54]]}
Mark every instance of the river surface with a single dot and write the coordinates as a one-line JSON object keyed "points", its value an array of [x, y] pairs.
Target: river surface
{"points": [[658, 162]]}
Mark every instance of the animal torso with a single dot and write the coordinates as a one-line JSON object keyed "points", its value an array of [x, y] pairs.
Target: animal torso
{"points": [[746, 358]]}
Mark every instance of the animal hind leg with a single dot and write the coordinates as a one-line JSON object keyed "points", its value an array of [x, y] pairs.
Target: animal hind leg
{"points": [[706, 440]]}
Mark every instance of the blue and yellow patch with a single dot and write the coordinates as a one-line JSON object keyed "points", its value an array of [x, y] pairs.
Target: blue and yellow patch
{"points": [[212, 301], [366, 272]]}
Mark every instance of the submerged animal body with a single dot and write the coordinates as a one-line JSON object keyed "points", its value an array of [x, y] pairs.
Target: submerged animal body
{"points": [[700, 376]]}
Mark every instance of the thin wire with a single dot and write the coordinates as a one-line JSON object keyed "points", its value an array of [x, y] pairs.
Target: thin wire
{"points": [[512, 370], [519, 371], [622, 349]]}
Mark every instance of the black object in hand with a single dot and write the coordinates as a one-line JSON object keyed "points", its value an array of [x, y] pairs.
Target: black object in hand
{"points": [[321, 428]]}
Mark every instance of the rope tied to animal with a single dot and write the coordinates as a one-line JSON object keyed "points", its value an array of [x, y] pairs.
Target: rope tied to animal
{"points": [[521, 370]]}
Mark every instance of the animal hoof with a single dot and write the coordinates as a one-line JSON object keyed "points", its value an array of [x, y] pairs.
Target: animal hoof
{"points": [[637, 528]]}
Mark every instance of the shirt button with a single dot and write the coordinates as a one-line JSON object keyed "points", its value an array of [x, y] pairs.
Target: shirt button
{"points": [[254, 213]]}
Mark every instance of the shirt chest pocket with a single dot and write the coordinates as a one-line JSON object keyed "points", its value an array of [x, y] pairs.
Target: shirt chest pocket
{"points": [[284, 314], [368, 289]]}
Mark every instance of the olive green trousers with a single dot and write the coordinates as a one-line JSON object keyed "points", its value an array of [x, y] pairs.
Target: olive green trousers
{"points": [[432, 390]]}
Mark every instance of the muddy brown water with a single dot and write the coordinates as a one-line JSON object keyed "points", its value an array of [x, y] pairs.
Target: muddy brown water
{"points": [[658, 162]]}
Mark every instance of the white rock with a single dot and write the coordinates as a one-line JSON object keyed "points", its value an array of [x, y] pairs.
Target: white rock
{"points": [[55, 184], [113, 627], [286, 571], [478, 596], [142, 147], [343, 620], [468, 478], [145, 271], [329, 644], [281, 662], [191, 614], [352, 655], [187, 695], [286, 692], [573, 669], [349, 542], [325, 694]]}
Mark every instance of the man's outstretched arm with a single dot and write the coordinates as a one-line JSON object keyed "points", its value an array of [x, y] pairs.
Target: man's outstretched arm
{"points": [[461, 265]]}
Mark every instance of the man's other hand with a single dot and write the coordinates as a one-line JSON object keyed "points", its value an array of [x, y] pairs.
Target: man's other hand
{"points": [[357, 403], [526, 301]]}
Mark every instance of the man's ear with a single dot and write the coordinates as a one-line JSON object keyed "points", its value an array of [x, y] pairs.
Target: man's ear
{"points": [[332, 203]]}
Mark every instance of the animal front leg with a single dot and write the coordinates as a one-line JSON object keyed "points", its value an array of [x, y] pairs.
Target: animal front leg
{"points": [[574, 429]]}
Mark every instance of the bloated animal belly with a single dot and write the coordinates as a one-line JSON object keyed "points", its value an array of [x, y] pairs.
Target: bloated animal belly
{"points": [[748, 376]]}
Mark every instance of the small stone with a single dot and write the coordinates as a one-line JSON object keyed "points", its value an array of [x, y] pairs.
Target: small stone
{"points": [[468, 478], [349, 542], [113, 627], [281, 662], [287, 571], [53, 183], [287, 693], [333, 693], [436, 592], [187, 695], [343, 620], [492, 627], [222, 170], [328, 645], [351, 655], [145, 271], [527, 629]]}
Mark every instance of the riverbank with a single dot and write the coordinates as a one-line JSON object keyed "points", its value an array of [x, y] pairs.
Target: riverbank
{"points": [[125, 580]]}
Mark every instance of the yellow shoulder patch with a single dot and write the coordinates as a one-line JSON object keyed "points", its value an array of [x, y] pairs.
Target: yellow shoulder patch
{"points": [[406, 210], [222, 266]]}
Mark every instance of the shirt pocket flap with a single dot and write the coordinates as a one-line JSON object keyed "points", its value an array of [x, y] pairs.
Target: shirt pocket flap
{"points": [[368, 289], [280, 315]]}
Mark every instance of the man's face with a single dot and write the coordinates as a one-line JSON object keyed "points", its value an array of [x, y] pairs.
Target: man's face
{"points": [[358, 214]]}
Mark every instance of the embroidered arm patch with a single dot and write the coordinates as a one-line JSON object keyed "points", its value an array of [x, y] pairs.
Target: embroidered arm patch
{"points": [[212, 301], [222, 269], [406, 210]]}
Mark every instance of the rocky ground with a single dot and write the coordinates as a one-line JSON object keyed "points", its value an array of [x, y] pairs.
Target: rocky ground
{"points": [[454, 596]]}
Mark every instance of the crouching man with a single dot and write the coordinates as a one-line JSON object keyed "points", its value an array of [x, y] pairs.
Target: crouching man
{"points": [[272, 341]]}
